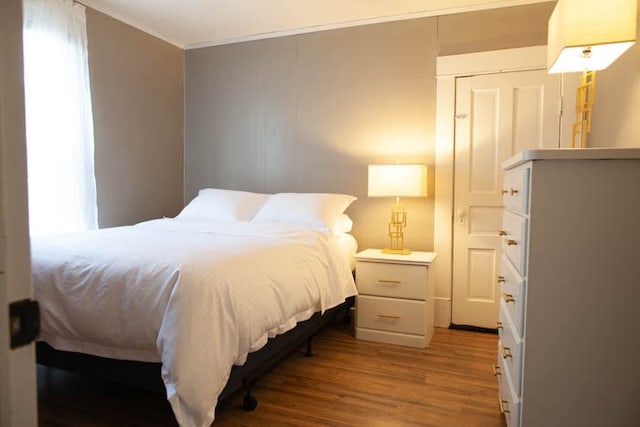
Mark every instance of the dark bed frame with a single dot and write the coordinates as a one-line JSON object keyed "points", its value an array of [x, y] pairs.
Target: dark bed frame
{"points": [[147, 375]]}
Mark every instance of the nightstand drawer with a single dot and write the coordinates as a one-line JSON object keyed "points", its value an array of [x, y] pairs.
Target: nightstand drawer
{"points": [[388, 314], [512, 290], [510, 348], [514, 244], [509, 399], [515, 190], [392, 280]]}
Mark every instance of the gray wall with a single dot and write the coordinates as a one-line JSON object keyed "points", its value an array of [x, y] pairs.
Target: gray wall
{"points": [[138, 108], [494, 29], [300, 113], [310, 112]]}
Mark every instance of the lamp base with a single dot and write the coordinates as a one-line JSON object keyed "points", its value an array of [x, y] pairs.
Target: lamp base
{"points": [[396, 251], [585, 97]]}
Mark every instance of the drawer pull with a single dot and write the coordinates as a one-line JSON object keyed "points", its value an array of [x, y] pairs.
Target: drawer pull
{"points": [[514, 191], [501, 279], [388, 316], [496, 370], [499, 325], [506, 352], [511, 242], [505, 192], [504, 406], [508, 298], [389, 282], [502, 233]]}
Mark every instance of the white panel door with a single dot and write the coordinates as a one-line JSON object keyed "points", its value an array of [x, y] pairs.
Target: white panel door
{"points": [[497, 115], [17, 367]]}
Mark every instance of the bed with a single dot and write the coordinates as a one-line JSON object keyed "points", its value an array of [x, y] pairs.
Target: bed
{"points": [[197, 294]]}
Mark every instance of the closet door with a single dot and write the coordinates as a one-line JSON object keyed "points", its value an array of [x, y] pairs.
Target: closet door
{"points": [[497, 116]]}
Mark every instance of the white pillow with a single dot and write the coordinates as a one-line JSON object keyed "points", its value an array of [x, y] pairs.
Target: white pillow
{"points": [[318, 210], [218, 205], [344, 224]]}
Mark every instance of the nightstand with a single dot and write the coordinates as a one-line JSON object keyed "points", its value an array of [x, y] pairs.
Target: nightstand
{"points": [[395, 298]]}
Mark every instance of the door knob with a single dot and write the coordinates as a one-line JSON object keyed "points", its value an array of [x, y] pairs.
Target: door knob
{"points": [[462, 216]]}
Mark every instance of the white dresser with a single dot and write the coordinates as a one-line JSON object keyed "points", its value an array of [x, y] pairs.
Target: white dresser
{"points": [[569, 347], [395, 298]]}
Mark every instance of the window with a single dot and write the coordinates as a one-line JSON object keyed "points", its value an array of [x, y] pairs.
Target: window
{"points": [[59, 120]]}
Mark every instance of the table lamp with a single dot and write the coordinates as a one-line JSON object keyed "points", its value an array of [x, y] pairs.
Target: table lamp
{"points": [[408, 180], [586, 36]]}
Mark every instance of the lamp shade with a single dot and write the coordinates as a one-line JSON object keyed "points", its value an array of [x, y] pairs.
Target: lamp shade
{"points": [[588, 35], [397, 180]]}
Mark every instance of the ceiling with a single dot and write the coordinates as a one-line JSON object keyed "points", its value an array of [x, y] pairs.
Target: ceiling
{"points": [[198, 23]]}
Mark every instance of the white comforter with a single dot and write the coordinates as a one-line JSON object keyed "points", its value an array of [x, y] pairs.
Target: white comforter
{"points": [[197, 297]]}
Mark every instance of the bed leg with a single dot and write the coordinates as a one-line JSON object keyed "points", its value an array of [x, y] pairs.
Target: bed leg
{"points": [[346, 319], [249, 403], [309, 351]]}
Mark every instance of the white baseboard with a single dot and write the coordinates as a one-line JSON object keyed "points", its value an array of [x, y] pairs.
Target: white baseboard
{"points": [[442, 312]]}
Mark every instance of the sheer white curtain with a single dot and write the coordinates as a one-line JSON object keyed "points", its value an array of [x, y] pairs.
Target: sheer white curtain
{"points": [[59, 120]]}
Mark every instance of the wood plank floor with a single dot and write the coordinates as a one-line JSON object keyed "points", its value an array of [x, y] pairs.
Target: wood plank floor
{"points": [[346, 383]]}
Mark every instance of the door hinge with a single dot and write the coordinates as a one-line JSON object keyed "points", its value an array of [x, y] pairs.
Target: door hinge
{"points": [[24, 322], [560, 106]]}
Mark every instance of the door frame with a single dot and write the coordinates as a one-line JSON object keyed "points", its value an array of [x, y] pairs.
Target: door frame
{"points": [[448, 69]]}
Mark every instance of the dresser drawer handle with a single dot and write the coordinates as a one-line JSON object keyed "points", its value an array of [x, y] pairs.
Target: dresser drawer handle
{"points": [[511, 242], [504, 408], [499, 325], [505, 192], [496, 370], [506, 352], [502, 233], [501, 279], [508, 298], [389, 282], [514, 191], [388, 316]]}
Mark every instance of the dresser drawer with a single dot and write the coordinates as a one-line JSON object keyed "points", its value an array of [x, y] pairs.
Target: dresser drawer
{"points": [[510, 348], [512, 289], [392, 280], [508, 398], [389, 314], [515, 191], [514, 242]]}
